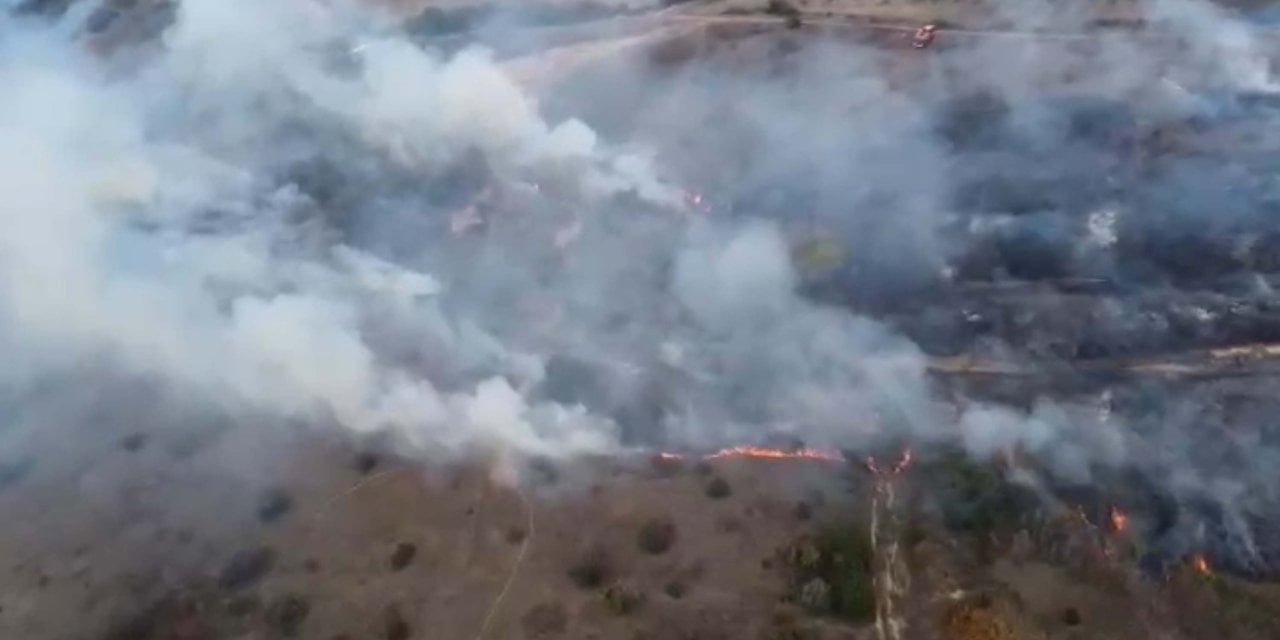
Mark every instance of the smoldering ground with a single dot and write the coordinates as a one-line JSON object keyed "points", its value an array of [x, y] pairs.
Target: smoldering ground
{"points": [[261, 214]]}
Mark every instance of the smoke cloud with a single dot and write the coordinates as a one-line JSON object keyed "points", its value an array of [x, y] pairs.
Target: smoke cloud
{"points": [[145, 227]]}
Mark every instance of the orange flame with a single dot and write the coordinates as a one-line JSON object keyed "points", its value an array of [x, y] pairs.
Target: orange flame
{"points": [[1119, 520], [1201, 564], [766, 453], [803, 453], [777, 454]]}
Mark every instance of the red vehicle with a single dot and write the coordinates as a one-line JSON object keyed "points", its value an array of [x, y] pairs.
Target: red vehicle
{"points": [[924, 36]]}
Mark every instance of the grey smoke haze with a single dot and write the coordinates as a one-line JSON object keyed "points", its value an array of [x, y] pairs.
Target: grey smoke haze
{"points": [[1000, 160], [258, 216], [144, 226]]}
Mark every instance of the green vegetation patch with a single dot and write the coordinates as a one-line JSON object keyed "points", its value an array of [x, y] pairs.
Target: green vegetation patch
{"points": [[976, 497], [832, 572]]}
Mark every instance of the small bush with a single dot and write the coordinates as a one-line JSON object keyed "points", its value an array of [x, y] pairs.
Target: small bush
{"points": [[1071, 616], [656, 536], [402, 556], [365, 463], [781, 8], [591, 570], [674, 589], [622, 599], [273, 505], [516, 535], [718, 488], [803, 511]]}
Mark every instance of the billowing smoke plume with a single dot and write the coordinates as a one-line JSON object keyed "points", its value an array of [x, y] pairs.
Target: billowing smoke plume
{"points": [[152, 222]]}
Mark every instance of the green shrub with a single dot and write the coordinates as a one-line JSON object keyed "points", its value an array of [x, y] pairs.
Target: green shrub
{"points": [[623, 599], [656, 536], [977, 498], [718, 488], [781, 8], [591, 570]]}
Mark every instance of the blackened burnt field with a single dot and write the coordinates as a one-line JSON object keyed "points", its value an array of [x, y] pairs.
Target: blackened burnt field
{"points": [[1080, 216], [1077, 231]]}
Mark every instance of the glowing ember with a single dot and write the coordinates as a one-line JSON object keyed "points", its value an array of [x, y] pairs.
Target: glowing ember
{"points": [[1200, 564], [1119, 520]]}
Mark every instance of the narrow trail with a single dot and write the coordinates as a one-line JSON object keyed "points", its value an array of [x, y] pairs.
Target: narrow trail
{"points": [[891, 577]]}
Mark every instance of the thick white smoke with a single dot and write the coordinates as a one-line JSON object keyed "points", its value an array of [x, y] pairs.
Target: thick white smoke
{"points": [[109, 179], [146, 230]]}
